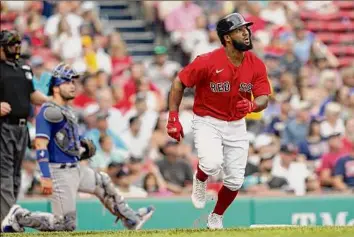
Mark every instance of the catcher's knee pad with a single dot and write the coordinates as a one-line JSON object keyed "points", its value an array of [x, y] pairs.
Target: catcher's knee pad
{"points": [[70, 221], [233, 183]]}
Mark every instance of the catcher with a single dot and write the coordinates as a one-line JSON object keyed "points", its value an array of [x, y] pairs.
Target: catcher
{"points": [[59, 149]]}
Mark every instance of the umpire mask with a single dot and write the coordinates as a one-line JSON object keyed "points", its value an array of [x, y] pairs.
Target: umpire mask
{"points": [[11, 43]]}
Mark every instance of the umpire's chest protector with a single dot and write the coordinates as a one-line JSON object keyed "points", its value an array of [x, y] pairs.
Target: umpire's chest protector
{"points": [[67, 137]]}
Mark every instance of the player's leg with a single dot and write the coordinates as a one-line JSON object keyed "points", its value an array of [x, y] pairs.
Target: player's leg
{"points": [[63, 199], [100, 184], [65, 186], [19, 217], [208, 144], [235, 159], [7, 147]]}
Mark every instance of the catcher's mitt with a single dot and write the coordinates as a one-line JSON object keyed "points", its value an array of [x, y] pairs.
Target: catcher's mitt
{"points": [[90, 148]]}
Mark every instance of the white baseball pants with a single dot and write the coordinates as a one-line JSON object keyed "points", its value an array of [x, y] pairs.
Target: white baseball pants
{"points": [[222, 145]]}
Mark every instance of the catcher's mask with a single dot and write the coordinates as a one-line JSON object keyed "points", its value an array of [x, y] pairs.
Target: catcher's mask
{"points": [[62, 73], [8, 39]]}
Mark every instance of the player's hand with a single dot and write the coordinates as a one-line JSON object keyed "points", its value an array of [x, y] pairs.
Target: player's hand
{"points": [[5, 108], [245, 106], [174, 127], [46, 186]]}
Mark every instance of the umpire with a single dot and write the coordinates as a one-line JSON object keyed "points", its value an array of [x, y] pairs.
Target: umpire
{"points": [[16, 95]]}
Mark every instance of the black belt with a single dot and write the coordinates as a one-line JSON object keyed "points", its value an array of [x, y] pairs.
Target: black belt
{"points": [[64, 166], [15, 121]]}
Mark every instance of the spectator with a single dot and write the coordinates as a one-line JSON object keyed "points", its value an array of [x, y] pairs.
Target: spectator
{"points": [[131, 86], [103, 129], [329, 159], [103, 79], [177, 173], [89, 92], [90, 18], [136, 142], [148, 117], [344, 174], [303, 42], [62, 10], [287, 166], [66, 45], [348, 139], [314, 145], [161, 70], [120, 60], [289, 61], [41, 77], [125, 188], [296, 129], [209, 45], [154, 185], [263, 182], [333, 122], [159, 137], [274, 13], [107, 154], [105, 103], [194, 37], [277, 124]]}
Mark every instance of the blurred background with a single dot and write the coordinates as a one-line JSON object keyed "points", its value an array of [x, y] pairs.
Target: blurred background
{"points": [[129, 52]]}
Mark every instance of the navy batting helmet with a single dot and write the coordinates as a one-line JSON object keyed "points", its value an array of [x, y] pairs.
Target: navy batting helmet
{"points": [[230, 23]]}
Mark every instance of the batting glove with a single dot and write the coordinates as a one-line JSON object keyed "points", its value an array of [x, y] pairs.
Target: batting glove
{"points": [[174, 127], [245, 106]]}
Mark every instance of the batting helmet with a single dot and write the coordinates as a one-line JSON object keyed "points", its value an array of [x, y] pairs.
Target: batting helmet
{"points": [[230, 23], [62, 73]]}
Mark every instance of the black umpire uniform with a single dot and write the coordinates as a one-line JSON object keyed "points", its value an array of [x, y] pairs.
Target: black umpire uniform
{"points": [[16, 87]]}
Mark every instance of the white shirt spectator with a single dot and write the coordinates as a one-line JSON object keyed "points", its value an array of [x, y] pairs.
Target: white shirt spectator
{"points": [[51, 26], [327, 129], [148, 121], [104, 61], [193, 38], [68, 47], [137, 145], [275, 15]]}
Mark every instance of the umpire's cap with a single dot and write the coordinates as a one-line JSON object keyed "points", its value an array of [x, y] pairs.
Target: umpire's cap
{"points": [[62, 73], [9, 38], [230, 23]]}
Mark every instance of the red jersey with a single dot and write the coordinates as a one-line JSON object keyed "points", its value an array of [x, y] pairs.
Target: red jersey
{"points": [[219, 84]]}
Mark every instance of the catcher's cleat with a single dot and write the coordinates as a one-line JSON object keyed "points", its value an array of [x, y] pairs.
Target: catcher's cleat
{"points": [[10, 223]]}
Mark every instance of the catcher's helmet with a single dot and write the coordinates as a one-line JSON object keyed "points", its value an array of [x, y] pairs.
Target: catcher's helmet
{"points": [[230, 23], [62, 73]]}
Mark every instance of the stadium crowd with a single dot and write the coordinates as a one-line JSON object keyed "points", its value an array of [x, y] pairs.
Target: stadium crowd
{"points": [[298, 145]]}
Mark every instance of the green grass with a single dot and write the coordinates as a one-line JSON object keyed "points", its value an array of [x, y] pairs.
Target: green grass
{"points": [[238, 232]]}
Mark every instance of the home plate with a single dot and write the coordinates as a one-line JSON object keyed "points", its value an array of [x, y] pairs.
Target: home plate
{"points": [[272, 226]]}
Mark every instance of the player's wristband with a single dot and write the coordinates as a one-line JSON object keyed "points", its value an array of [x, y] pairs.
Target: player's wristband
{"points": [[173, 116], [42, 158]]}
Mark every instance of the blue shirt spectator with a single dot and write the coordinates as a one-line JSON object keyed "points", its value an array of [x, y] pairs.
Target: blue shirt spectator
{"points": [[344, 169]]}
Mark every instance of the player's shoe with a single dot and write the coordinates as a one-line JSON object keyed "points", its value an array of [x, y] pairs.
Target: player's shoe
{"points": [[10, 224], [199, 192], [215, 221], [143, 215]]}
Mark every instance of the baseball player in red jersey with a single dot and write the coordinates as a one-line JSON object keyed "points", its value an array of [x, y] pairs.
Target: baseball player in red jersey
{"points": [[225, 82]]}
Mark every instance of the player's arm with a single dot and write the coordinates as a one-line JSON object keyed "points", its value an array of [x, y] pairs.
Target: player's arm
{"points": [[176, 94], [261, 102]]}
